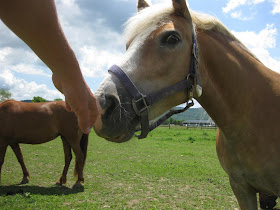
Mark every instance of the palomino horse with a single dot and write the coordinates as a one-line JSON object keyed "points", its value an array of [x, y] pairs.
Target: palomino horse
{"points": [[167, 45], [36, 123]]}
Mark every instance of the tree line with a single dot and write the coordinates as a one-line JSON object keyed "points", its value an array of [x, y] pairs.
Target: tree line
{"points": [[5, 94], [172, 121]]}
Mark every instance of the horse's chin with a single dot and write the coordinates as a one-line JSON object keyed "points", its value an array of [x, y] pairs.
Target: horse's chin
{"points": [[114, 135], [125, 136], [122, 138], [116, 130]]}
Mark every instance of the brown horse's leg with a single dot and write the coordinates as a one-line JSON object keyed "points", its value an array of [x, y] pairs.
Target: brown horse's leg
{"points": [[18, 153], [246, 197], [3, 149], [67, 158], [79, 164]]}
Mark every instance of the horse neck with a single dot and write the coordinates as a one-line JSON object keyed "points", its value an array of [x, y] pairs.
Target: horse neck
{"points": [[236, 86]]}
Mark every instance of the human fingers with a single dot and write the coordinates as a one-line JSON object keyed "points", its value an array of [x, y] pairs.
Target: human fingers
{"points": [[86, 111], [87, 116], [77, 102], [83, 118]]}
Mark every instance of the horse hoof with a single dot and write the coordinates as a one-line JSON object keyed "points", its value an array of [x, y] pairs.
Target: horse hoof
{"points": [[61, 181], [24, 181], [58, 184], [77, 186], [267, 201]]}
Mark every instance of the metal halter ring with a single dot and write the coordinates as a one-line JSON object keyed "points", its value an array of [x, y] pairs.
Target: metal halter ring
{"points": [[139, 105]]}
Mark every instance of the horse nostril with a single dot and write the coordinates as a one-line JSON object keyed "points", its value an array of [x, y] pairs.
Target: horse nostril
{"points": [[111, 105]]}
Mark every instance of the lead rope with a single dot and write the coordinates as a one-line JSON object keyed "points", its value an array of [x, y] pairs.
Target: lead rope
{"points": [[189, 104]]}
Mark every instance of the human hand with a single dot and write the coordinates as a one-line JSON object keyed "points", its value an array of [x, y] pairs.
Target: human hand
{"points": [[80, 100]]}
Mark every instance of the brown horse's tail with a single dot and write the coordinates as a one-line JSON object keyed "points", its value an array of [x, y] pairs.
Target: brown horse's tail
{"points": [[83, 145]]}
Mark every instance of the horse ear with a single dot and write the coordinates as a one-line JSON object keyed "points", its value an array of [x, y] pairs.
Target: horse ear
{"points": [[142, 4], [181, 8]]}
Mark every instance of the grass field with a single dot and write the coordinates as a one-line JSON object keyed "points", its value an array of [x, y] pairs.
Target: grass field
{"points": [[171, 169]]}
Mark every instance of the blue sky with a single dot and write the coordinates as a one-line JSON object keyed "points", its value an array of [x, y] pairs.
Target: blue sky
{"points": [[94, 30]]}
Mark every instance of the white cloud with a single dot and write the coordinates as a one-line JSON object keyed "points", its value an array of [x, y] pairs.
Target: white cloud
{"points": [[276, 6], [21, 89], [258, 1], [22, 61], [234, 4], [266, 38], [92, 39], [236, 14], [239, 15], [29, 69], [6, 79], [259, 43], [8, 38], [267, 59], [25, 90], [25, 62], [95, 61], [68, 11]]}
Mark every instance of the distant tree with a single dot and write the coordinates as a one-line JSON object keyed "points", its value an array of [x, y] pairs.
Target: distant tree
{"points": [[5, 94], [172, 121], [38, 99], [57, 99]]}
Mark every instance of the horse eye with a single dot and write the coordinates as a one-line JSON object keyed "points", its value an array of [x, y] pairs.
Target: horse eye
{"points": [[171, 39]]}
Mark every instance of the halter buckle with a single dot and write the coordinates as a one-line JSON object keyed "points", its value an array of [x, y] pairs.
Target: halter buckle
{"points": [[194, 52], [140, 105]]}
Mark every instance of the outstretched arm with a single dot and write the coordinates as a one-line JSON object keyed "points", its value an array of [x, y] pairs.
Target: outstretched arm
{"points": [[36, 23]]}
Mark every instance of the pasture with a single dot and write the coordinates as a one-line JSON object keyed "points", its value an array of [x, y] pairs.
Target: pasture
{"points": [[170, 169]]}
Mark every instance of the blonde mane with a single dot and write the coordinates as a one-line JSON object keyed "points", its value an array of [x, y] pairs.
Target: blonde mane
{"points": [[155, 16], [208, 22]]}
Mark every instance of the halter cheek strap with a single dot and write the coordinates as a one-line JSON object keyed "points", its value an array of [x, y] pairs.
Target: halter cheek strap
{"points": [[141, 102]]}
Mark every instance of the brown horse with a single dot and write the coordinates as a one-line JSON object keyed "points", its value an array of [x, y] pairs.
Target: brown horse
{"points": [[36, 123], [169, 44]]}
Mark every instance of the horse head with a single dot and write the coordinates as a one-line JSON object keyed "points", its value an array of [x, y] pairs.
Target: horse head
{"points": [[159, 51]]}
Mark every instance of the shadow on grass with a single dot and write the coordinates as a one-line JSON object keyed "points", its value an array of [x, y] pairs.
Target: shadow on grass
{"points": [[26, 190]]}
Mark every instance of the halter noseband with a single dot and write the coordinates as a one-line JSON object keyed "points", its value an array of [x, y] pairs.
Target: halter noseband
{"points": [[141, 102]]}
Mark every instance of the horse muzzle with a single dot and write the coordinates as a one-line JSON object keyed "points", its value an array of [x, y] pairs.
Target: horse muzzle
{"points": [[117, 121]]}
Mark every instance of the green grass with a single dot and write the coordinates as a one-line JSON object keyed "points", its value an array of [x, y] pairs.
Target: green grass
{"points": [[171, 169]]}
